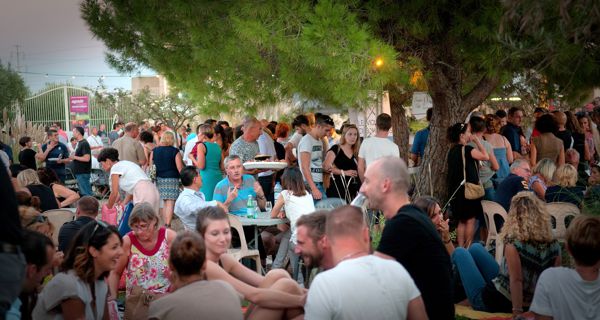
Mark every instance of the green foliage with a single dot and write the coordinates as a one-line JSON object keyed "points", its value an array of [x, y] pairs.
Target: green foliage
{"points": [[12, 87]]}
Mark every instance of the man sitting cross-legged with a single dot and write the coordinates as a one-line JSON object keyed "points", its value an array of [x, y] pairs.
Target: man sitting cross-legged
{"points": [[360, 286]]}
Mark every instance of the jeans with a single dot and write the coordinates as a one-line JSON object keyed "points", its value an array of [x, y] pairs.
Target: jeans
{"points": [[321, 189], [477, 268], [282, 251], [85, 187], [294, 261]]}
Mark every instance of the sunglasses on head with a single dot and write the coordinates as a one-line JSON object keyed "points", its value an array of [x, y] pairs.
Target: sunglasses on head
{"points": [[97, 227]]}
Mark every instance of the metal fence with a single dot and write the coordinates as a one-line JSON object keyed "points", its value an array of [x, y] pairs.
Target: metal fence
{"points": [[52, 106]]}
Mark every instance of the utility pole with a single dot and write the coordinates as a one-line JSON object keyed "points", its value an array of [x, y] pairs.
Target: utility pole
{"points": [[19, 55]]}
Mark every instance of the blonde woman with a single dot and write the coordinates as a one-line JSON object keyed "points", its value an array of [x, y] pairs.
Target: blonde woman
{"points": [[33, 220], [529, 249], [168, 162], [30, 180], [564, 186], [541, 177], [342, 162]]}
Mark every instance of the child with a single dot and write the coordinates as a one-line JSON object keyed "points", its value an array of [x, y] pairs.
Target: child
{"points": [[564, 293], [297, 202]]}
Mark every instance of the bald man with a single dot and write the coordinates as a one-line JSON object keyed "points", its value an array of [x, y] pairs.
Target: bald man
{"points": [[409, 235], [386, 289]]}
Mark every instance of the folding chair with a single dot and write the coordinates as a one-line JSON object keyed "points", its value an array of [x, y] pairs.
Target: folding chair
{"points": [[490, 209], [70, 180], [243, 251], [99, 181], [58, 217], [560, 212]]}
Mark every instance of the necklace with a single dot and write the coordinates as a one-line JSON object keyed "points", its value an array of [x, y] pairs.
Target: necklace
{"points": [[352, 255]]}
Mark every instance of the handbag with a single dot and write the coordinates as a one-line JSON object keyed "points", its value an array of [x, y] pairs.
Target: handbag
{"points": [[109, 215], [473, 191], [138, 302]]}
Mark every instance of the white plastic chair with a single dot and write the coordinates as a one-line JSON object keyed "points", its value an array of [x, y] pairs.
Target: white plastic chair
{"points": [[560, 211], [58, 217], [490, 209], [243, 251]]}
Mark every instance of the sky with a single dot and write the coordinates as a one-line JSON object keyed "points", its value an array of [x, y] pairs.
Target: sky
{"points": [[53, 39]]}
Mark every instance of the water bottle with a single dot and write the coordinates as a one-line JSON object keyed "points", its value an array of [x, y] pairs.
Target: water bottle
{"points": [[277, 191], [250, 210]]}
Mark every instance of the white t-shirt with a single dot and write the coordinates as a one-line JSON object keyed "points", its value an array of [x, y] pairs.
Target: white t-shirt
{"points": [[315, 148], [94, 141], [266, 147], [189, 146], [562, 294], [130, 173], [374, 148], [367, 287], [295, 207], [295, 139]]}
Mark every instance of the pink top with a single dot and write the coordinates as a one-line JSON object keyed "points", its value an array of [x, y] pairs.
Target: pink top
{"points": [[148, 269]]}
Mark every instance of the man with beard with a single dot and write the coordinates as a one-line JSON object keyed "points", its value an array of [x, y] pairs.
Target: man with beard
{"points": [[312, 242], [409, 236]]}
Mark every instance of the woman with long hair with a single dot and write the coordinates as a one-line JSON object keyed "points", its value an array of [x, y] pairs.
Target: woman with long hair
{"points": [[168, 162], [30, 180], [579, 141], [224, 138], [541, 176], [529, 249], [501, 147], [64, 195], [79, 290], [586, 125], [462, 168], [273, 296], [431, 207], [33, 220], [342, 162], [207, 156], [193, 294], [547, 145]]}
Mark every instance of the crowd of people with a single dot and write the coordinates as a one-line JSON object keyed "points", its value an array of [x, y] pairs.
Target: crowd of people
{"points": [[199, 178]]}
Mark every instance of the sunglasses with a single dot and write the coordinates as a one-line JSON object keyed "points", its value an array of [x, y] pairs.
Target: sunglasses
{"points": [[97, 227], [37, 219]]}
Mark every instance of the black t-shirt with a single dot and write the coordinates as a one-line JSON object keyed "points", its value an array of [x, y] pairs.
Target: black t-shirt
{"points": [[27, 158], [566, 137], [10, 223], [509, 187], [412, 240], [68, 231], [80, 167], [46, 195]]}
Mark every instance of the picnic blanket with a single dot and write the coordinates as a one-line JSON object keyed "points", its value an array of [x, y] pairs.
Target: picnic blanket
{"points": [[469, 313]]}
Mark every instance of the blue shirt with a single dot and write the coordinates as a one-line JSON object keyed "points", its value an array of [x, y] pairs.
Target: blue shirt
{"points": [[60, 151], [238, 205], [511, 132], [419, 142], [509, 187], [14, 313], [188, 204]]}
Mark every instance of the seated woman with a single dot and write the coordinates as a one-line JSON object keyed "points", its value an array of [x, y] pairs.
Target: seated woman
{"points": [[145, 257], [529, 249], [29, 179], [431, 207], [564, 186], [541, 176], [273, 296], [79, 290], [193, 294], [64, 195], [33, 220]]}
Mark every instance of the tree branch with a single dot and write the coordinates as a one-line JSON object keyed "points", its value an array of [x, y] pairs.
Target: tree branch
{"points": [[480, 92]]}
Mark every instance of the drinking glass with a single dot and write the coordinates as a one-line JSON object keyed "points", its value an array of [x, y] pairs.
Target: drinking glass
{"points": [[268, 207]]}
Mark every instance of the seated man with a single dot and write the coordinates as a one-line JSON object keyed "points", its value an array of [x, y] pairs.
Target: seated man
{"points": [[311, 243], [39, 254], [565, 293], [234, 190], [191, 199], [385, 289], [514, 183], [87, 211]]}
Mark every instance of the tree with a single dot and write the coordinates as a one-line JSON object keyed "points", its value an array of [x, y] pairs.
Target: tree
{"points": [[239, 55], [144, 106], [12, 88]]}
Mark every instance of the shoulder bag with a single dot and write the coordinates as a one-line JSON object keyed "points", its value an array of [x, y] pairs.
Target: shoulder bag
{"points": [[473, 191]]}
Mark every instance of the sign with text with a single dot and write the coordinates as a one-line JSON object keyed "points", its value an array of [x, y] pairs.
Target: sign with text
{"points": [[79, 104]]}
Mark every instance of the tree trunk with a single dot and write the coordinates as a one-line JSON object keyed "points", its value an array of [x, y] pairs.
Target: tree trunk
{"points": [[399, 122]]}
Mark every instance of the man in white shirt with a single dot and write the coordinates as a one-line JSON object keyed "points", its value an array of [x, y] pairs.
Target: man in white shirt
{"points": [[378, 146], [95, 141], [301, 126], [191, 200], [311, 153], [189, 146], [360, 286]]}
